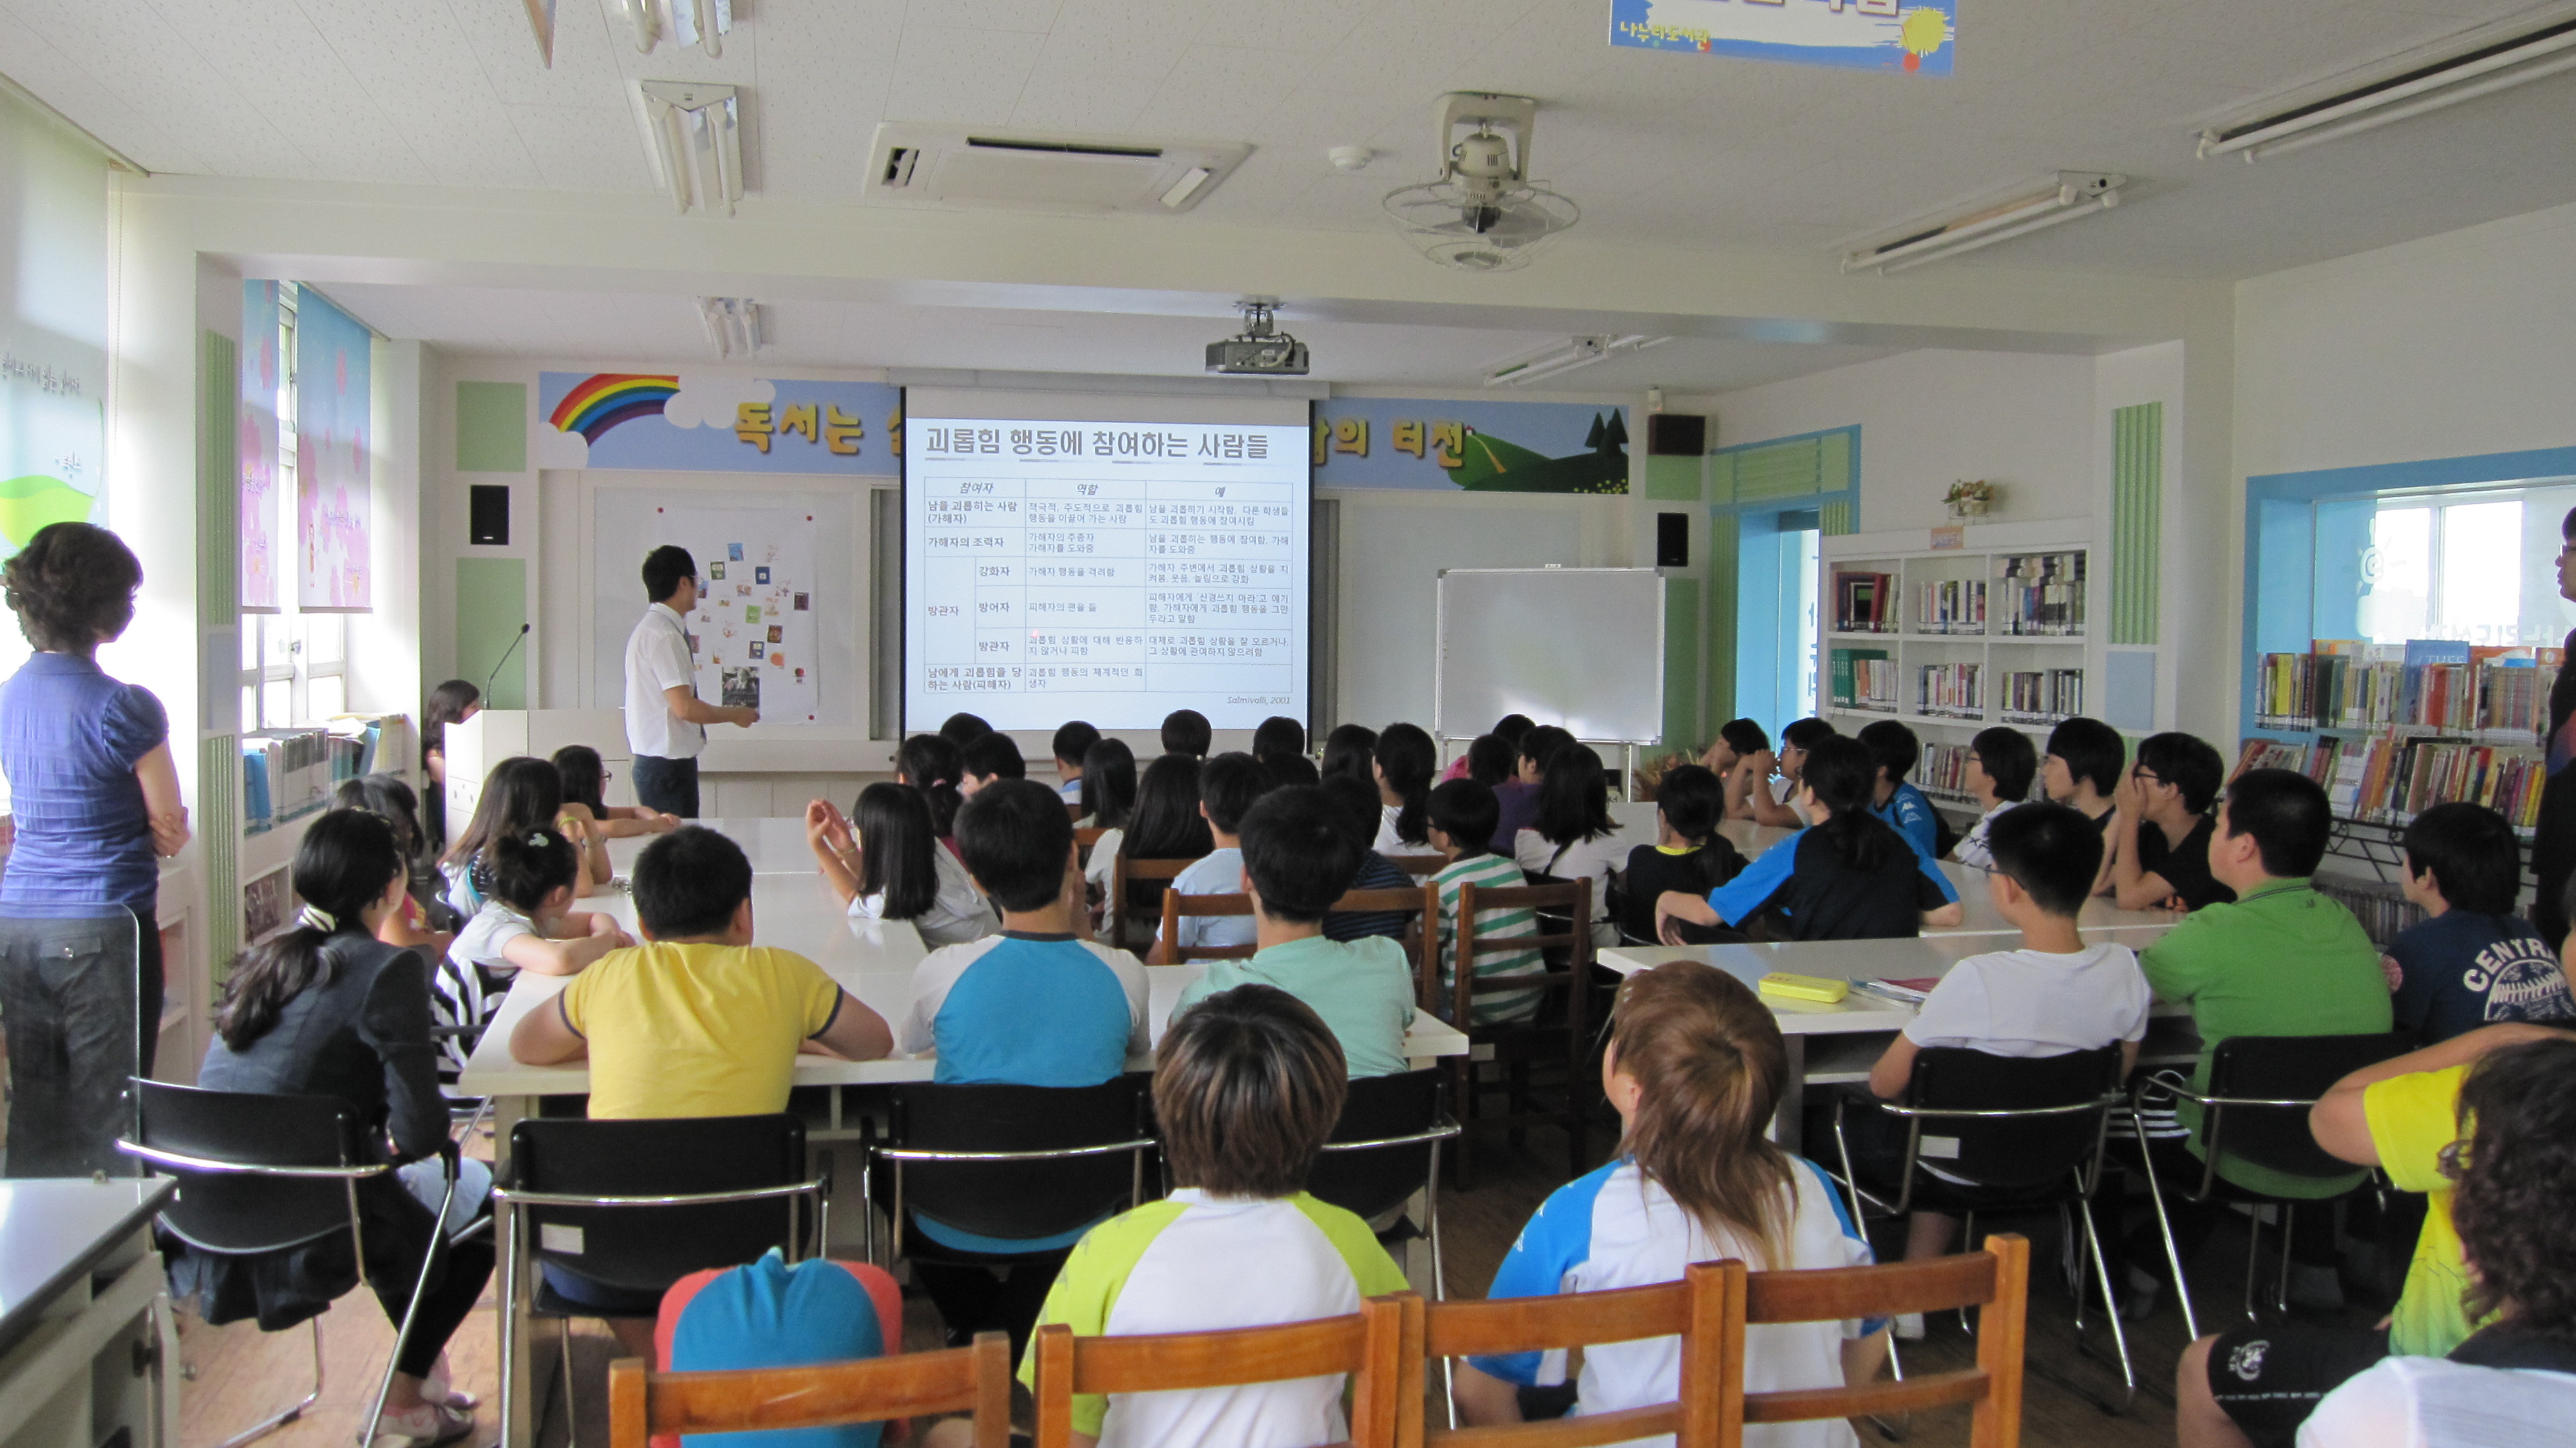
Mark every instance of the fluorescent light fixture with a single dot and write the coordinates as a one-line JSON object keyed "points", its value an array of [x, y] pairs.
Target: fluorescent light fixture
{"points": [[2072, 195], [2461, 69], [701, 23], [733, 325], [1188, 186], [1563, 357], [696, 132]]}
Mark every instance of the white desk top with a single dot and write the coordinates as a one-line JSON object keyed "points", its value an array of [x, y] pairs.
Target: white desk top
{"points": [[776, 845], [1982, 917]]}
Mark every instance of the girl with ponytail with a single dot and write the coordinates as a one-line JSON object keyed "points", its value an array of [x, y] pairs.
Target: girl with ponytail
{"points": [[325, 1008], [1695, 1069], [933, 765], [1404, 762]]}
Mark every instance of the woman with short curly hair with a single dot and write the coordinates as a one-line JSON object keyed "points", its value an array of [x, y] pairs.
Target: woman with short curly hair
{"points": [[95, 796]]}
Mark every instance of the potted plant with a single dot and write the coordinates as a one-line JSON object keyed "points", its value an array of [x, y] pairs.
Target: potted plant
{"points": [[1968, 499]]}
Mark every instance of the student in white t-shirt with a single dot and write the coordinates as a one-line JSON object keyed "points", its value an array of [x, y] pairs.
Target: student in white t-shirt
{"points": [[1575, 838], [1229, 785], [889, 866], [1764, 787], [527, 922], [2001, 765], [1402, 764], [1695, 1067], [2052, 996]]}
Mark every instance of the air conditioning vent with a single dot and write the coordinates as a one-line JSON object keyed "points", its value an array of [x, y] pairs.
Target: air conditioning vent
{"points": [[936, 166]]}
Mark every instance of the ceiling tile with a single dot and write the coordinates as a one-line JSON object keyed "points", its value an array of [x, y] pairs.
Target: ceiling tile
{"points": [[584, 148], [964, 77], [1034, 17], [46, 70]]}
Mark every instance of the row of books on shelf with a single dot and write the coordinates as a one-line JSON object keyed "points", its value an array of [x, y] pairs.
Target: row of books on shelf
{"points": [[2498, 695], [287, 773], [2042, 593], [1943, 769], [1863, 679], [1956, 690], [2042, 696], [2383, 912], [2388, 778], [1864, 603], [1953, 606]]}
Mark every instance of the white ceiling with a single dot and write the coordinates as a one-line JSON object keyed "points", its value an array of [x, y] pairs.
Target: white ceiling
{"points": [[1662, 150]]}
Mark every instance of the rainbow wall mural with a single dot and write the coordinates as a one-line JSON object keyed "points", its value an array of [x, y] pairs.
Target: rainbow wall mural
{"points": [[602, 401]]}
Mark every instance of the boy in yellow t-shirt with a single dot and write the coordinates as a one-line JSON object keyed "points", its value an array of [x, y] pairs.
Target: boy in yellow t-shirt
{"points": [[2256, 1384], [697, 1021]]}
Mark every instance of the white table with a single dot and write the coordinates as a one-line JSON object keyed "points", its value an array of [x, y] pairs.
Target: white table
{"points": [[776, 845], [1981, 916], [87, 1340]]}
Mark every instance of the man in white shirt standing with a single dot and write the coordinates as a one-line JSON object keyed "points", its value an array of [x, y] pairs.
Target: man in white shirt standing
{"points": [[665, 719]]}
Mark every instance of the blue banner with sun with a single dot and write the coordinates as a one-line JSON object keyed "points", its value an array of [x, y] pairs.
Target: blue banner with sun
{"points": [[1912, 37], [708, 422]]}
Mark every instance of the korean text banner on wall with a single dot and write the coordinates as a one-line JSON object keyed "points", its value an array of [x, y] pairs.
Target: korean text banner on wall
{"points": [[706, 422], [257, 433], [333, 458], [53, 332], [1476, 447], [1915, 37]]}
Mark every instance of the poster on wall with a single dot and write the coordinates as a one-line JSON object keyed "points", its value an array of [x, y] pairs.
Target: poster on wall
{"points": [[53, 340], [1476, 447], [257, 435], [1909, 37], [711, 422], [333, 458]]}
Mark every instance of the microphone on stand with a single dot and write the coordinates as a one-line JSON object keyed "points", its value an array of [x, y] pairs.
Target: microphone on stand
{"points": [[505, 658]]}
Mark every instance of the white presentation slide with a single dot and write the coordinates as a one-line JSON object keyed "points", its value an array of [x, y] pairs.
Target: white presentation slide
{"points": [[1112, 572]]}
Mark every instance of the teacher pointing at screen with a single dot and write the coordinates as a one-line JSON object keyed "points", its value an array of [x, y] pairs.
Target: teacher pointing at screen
{"points": [[665, 719]]}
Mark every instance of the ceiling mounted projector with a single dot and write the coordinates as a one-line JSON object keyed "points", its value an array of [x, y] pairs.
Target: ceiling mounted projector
{"points": [[1259, 350], [1484, 214]]}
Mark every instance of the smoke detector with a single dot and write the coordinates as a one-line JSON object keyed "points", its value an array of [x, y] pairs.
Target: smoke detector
{"points": [[1483, 214]]}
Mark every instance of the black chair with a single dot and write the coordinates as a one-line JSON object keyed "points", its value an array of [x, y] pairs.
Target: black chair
{"points": [[2256, 1111], [2009, 1134], [1021, 1162], [260, 1173], [1385, 1148], [634, 1206]]}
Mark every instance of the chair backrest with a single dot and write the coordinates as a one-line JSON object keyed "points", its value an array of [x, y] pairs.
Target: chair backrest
{"points": [[1570, 901], [976, 1379], [249, 1210], [1997, 1278], [1420, 904], [1697, 1309], [1037, 1193], [1371, 1180], [2294, 1069], [1418, 866], [1380, 1347], [2013, 1151], [1177, 905], [1087, 837], [1137, 885], [647, 1248]]}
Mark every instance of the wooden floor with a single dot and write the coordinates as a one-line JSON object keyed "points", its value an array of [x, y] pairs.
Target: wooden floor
{"points": [[236, 1374]]}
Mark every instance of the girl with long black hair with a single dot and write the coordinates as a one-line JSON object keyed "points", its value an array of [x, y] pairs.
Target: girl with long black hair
{"points": [[1402, 767], [887, 865]]}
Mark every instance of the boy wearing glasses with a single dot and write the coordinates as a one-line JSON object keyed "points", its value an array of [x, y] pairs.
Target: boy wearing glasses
{"points": [[2162, 826]]}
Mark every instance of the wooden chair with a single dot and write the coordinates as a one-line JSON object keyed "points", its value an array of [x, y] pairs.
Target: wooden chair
{"points": [[1073, 808], [1421, 938], [1380, 1346], [1177, 905], [1997, 1278], [1551, 1034], [1422, 905], [1124, 872], [1086, 838], [977, 1380], [1704, 1309]]}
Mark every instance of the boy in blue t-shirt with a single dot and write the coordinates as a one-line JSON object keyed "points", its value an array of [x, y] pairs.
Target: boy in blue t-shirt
{"points": [[2472, 961], [1892, 747]]}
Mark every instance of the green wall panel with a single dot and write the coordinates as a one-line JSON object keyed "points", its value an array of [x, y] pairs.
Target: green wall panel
{"points": [[1673, 478], [2137, 520], [219, 835], [1725, 545], [491, 427], [1681, 660], [491, 608], [1782, 470]]}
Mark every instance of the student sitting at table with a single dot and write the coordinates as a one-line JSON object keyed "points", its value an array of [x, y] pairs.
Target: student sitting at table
{"points": [[1849, 876], [1574, 837], [991, 757], [1108, 797], [2472, 959], [932, 765], [1073, 739], [1354, 809], [2160, 827], [1037, 1005], [521, 795], [1290, 771], [1228, 786], [1351, 749], [1403, 767], [1297, 860], [2280, 960], [2082, 767], [1278, 735], [1186, 731], [585, 783], [424, 921], [1764, 789], [2000, 766], [1462, 818], [1247, 1087], [526, 923], [1506, 733], [891, 867], [2052, 996], [696, 1021], [1694, 1068], [1737, 740], [962, 728], [1516, 800], [1490, 760], [1893, 749], [1688, 854]]}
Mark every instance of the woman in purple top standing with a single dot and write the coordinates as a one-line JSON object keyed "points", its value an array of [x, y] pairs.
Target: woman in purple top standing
{"points": [[95, 797]]}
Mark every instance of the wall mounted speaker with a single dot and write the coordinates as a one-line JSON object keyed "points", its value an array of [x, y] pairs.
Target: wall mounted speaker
{"points": [[1676, 435], [488, 514], [1672, 540]]}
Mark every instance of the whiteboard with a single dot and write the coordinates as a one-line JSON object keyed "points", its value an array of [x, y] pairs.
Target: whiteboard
{"points": [[1578, 647]]}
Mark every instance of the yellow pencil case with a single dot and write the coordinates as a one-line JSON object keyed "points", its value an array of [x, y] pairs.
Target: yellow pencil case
{"points": [[1805, 987]]}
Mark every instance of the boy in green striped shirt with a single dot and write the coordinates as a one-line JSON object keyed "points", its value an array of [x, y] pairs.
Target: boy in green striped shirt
{"points": [[1463, 816]]}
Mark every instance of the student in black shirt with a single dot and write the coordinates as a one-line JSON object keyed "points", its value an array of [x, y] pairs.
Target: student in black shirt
{"points": [[1357, 815], [1688, 855], [1851, 876], [2472, 961], [2160, 835]]}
